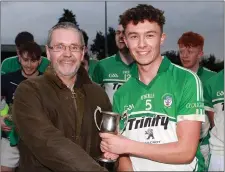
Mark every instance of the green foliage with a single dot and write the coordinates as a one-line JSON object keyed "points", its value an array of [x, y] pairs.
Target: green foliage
{"points": [[98, 46]]}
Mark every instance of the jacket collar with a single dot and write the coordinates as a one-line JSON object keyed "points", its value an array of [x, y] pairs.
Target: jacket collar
{"points": [[82, 77]]}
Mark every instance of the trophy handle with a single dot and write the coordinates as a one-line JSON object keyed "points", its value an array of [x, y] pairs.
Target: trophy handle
{"points": [[95, 113], [125, 124]]}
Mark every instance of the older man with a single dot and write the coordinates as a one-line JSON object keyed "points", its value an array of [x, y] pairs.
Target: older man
{"points": [[54, 112]]}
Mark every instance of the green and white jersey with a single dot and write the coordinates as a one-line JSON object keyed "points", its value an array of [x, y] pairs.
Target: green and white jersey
{"points": [[204, 74], [12, 64], [154, 110], [111, 73], [214, 101]]}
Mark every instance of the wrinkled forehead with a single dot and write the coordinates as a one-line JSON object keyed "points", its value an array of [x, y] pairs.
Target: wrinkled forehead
{"points": [[66, 36]]}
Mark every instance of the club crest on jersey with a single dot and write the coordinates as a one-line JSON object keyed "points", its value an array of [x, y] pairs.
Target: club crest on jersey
{"points": [[167, 100]]}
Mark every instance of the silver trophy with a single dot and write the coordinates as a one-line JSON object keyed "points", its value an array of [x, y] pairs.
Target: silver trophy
{"points": [[109, 124]]}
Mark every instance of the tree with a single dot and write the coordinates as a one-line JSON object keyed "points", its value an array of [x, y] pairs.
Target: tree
{"points": [[173, 56], [210, 63], [68, 16], [98, 46]]}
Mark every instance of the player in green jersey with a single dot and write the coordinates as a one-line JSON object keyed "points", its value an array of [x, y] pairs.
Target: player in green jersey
{"points": [[114, 71], [191, 50], [12, 64], [162, 100], [214, 106], [88, 63]]}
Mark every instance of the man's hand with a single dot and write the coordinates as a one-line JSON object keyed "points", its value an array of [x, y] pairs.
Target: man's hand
{"points": [[115, 144], [4, 127]]}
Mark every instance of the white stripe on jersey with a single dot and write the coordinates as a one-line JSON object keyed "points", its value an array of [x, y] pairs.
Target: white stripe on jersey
{"points": [[217, 99], [155, 113], [207, 108], [115, 80], [198, 84], [191, 117]]}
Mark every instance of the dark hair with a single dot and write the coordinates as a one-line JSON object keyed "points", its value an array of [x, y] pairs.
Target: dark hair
{"points": [[85, 37], [87, 57], [191, 39], [33, 50], [23, 37], [140, 13]]}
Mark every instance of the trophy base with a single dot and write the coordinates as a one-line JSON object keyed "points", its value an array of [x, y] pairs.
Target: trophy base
{"points": [[101, 159]]}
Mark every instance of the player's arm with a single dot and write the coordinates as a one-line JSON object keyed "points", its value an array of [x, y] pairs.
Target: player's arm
{"points": [[180, 152], [208, 102], [124, 163], [211, 118]]}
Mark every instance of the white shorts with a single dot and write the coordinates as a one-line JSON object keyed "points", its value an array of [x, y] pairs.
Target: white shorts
{"points": [[205, 152], [216, 163], [9, 155]]}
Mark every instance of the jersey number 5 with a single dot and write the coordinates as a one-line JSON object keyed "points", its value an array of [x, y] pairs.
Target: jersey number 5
{"points": [[148, 104]]}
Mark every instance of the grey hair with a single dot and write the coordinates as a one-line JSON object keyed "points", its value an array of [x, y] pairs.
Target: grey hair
{"points": [[64, 25]]}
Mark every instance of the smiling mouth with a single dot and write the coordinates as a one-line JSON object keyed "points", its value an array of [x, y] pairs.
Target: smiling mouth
{"points": [[67, 62], [142, 52]]}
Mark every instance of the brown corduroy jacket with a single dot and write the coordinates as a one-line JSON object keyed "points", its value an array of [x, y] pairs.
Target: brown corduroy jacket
{"points": [[56, 127]]}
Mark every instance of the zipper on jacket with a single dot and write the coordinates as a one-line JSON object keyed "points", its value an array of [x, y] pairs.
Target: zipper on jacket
{"points": [[74, 98]]}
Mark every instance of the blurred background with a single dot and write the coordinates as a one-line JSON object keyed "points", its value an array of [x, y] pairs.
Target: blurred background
{"points": [[100, 19]]}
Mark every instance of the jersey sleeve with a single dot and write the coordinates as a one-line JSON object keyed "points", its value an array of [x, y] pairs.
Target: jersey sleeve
{"points": [[5, 68], [191, 105], [98, 74], [43, 65], [208, 97]]}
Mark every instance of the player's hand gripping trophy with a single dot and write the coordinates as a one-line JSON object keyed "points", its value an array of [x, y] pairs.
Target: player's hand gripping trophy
{"points": [[109, 124]]}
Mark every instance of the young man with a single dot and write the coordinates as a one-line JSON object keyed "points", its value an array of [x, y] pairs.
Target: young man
{"points": [[30, 59], [162, 101], [12, 64], [54, 112], [114, 71], [214, 106], [191, 50]]}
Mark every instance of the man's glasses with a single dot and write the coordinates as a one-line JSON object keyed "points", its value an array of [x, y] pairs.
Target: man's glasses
{"points": [[62, 47]]}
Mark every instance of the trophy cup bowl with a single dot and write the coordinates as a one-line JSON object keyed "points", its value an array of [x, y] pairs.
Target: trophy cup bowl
{"points": [[109, 124]]}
